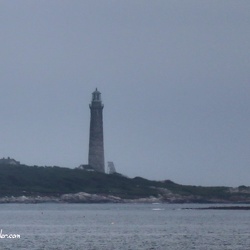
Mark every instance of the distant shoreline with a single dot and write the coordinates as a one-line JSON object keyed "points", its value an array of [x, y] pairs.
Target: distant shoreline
{"points": [[222, 208], [86, 198], [34, 184]]}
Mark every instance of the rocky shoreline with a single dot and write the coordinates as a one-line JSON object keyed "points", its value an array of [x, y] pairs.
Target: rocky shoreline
{"points": [[80, 197], [83, 197]]}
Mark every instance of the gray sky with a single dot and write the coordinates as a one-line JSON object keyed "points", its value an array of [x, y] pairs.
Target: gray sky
{"points": [[174, 77]]}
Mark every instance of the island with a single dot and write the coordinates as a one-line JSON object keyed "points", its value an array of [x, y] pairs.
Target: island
{"points": [[35, 184]]}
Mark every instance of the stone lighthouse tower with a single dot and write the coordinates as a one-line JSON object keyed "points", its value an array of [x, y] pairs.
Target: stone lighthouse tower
{"points": [[96, 147]]}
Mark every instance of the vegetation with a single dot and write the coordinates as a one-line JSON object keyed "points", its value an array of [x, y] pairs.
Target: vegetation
{"points": [[25, 180], [19, 180]]}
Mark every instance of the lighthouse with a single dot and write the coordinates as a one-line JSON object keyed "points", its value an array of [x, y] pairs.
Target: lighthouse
{"points": [[96, 145]]}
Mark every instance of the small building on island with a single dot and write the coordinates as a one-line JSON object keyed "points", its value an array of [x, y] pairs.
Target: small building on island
{"points": [[9, 161]]}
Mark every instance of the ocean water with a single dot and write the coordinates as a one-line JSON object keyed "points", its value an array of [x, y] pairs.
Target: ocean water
{"points": [[122, 226]]}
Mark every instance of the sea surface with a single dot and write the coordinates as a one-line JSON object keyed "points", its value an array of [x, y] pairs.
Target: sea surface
{"points": [[122, 226]]}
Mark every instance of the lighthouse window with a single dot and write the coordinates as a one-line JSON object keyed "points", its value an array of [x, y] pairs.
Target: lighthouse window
{"points": [[96, 96]]}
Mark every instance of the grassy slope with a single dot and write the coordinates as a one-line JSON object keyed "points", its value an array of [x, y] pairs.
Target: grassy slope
{"points": [[25, 180], [20, 180]]}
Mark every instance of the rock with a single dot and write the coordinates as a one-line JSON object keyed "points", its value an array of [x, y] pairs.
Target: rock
{"points": [[83, 197]]}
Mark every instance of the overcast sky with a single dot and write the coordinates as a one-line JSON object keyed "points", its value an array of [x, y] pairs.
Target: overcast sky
{"points": [[174, 77]]}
